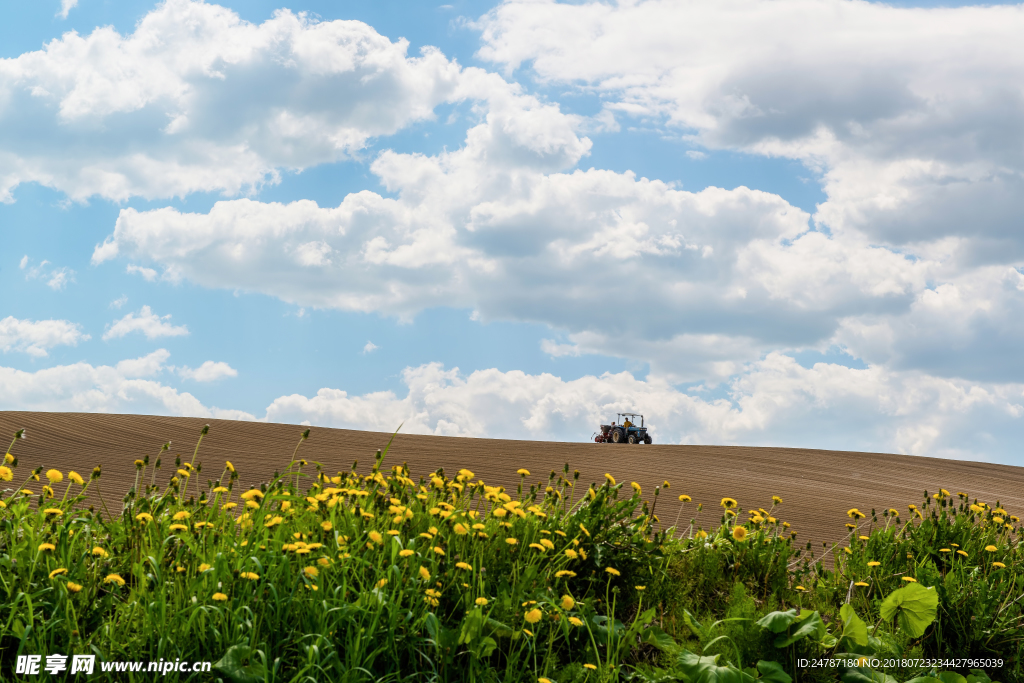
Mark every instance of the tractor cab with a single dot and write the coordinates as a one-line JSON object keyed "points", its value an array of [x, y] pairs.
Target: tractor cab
{"points": [[627, 428]]}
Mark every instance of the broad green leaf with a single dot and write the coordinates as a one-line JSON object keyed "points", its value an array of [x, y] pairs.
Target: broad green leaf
{"points": [[810, 625], [659, 639], [867, 676], [914, 606], [706, 670], [778, 622], [233, 665], [854, 628], [772, 672], [979, 676], [951, 677], [924, 679]]}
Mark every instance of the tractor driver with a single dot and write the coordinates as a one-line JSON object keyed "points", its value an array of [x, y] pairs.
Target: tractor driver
{"points": [[627, 424]]}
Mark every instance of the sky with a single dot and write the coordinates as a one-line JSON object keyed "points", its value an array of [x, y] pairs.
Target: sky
{"points": [[757, 222]]}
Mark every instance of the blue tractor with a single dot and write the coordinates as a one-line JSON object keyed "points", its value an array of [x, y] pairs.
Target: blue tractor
{"points": [[624, 430]]}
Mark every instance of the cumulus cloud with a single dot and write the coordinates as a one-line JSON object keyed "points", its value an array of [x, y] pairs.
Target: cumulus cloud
{"points": [[912, 115], [36, 337], [370, 347], [775, 402], [124, 388], [696, 283], [209, 371], [148, 274], [196, 99], [65, 7], [147, 322], [56, 278]]}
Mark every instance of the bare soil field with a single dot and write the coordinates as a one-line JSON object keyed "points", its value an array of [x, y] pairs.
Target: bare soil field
{"points": [[817, 486]]}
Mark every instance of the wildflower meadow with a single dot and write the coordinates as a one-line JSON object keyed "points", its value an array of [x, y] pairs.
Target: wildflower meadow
{"points": [[375, 575]]}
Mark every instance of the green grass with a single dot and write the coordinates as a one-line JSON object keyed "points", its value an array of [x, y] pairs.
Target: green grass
{"points": [[319, 576]]}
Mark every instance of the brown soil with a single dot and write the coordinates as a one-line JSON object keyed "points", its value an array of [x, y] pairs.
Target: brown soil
{"points": [[817, 487]]}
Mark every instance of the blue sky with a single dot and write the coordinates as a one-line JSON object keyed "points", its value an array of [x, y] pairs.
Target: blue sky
{"points": [[788, 223]]}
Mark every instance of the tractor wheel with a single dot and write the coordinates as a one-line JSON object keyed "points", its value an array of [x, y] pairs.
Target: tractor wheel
{"points": [[648, 439], [632, 438], [617, 436]]}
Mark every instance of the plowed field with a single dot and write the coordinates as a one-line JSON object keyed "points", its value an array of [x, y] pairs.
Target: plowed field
{"points": [[817, 487]]}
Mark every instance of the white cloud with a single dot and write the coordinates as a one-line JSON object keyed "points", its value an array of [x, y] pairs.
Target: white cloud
{"points": [[775, 402], [370, 347], [209, 371], [82, 387], [56, 278], [195, 99], [65, 7], [147, 322], [36, 337], [912, 115], [556, 350], [148, 274], [119, 302]]}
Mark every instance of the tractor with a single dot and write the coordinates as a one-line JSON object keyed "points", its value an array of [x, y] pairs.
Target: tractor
{"points": [[624, 430]]}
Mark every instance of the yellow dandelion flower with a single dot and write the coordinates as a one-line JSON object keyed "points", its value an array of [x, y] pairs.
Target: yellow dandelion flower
{"points": [[229, 506], [567, 602], [144, 517], [464, 565], [273, 521], [776, 500], [592, 667], [739, 533], [54, 476], [610, 479], [909, 579], [76, 478], [326, 526], [439, 550], [874, 564], [613, 571], [53, 511], [584, 530], [44, 547], [375, 537], [684, 498], [461, 529], [114, 578], [636, 487], [424, 573], [480, 602], [854, 513], [533, 616], [58, 572], [728, 503], [311, 572], [565, 573], [74, 587], [6, 474], [862, 584], [961, 552], [575, 621], [251, 576], [640, 588], [178, 527], [511, 541], [991, 548], [406, 553], [999, 565], [181, 515]]}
